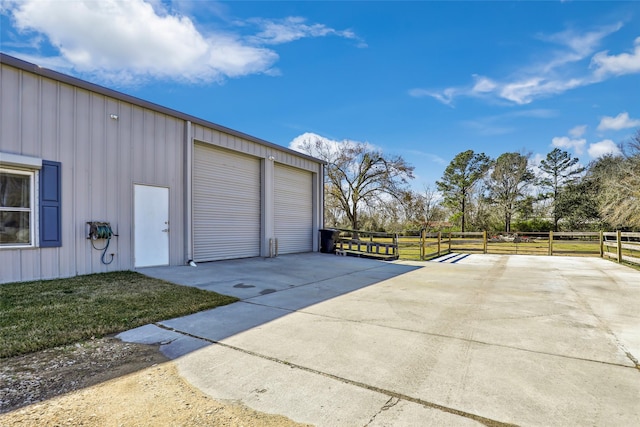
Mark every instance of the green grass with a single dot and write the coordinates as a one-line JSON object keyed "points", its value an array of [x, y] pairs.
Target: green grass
{"points": [[45, 314]]}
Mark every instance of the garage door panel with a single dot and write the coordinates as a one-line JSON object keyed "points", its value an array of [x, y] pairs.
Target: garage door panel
{"points": [[226, 204], [293, 209]]}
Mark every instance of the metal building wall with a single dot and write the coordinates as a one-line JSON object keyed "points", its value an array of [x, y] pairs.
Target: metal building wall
{"points": [[56, 117], [293, 204], [101, 160], [226, 204], [270, 156]]}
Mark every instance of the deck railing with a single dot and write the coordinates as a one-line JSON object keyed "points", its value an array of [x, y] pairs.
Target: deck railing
{"points": [[367, 244]]}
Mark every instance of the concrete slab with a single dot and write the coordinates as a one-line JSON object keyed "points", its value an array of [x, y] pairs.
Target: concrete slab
{"points": [[306, 396], [490, 339], [223, 322], [460, 374], [251, 277], [478, 302], [172, 344]]}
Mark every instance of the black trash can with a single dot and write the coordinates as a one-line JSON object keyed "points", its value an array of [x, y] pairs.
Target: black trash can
{"points": [[328, 239]]}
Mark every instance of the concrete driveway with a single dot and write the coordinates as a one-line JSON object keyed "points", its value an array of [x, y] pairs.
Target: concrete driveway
{"points": [[487, 340]]}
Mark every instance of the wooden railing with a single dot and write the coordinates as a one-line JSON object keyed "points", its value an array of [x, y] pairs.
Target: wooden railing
{"points": [[367, 244], [430, 245], [622, 246]]}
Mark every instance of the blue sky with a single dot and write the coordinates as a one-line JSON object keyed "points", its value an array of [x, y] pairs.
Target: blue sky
{"points": [[425, 80]]}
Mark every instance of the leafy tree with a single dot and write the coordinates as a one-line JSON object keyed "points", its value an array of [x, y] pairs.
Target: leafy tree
{"points": [[508, 181], [459, 178], [558, 170], [578, 204], [357, 175]]}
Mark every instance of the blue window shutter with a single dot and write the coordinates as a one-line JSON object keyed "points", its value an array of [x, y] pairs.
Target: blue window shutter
{"points": [[50, 204]]}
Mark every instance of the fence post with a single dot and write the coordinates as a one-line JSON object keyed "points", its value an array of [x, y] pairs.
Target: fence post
{"points": [[484, 235], [439, 241], [601, 244], [449, 242], [422, 244], [396, 250], [550, 243], [619, 242]]}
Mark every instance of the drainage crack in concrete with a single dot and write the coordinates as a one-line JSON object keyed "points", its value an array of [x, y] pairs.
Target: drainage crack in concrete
{"points": [[393, 401], [605, 327], [433, 334], [392, 394]]}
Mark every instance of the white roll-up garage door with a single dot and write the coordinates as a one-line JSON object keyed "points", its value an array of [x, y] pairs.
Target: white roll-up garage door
{"points": [[293, 209], [226, 204]]}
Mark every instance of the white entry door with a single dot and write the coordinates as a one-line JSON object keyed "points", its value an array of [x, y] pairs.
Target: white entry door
{"points": [[151, 225]]}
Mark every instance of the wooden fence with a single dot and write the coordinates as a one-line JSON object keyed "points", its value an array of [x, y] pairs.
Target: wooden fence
{"points": [[367, 244], [619, 245], [622, 246]]}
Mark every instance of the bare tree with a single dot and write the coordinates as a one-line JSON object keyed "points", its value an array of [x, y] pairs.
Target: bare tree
{"points": [[431, 205], [358, 175], [619, 185]]}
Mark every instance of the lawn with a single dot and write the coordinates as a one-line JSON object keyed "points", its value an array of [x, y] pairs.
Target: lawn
{"points": [[49, 313]]}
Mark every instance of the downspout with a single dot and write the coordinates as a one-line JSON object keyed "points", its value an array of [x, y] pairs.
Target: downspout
{"points": [[188, 199], [322, 181]]}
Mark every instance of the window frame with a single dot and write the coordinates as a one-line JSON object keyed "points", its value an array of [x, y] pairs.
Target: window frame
{"points": [[32, 209]]}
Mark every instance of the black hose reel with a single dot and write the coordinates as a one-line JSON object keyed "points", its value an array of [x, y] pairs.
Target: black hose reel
{"points": [[99, 230]]}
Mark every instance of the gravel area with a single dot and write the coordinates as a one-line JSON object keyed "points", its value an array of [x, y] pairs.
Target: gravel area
{"points": [[39, 376], [105, 382]]}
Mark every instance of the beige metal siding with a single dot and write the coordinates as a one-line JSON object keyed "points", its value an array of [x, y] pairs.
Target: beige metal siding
{"points": [[282, 156], [293, 209], [54, 117], [226, 204], [101, 160]]}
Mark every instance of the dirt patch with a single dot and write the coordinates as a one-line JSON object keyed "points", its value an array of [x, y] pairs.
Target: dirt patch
{"points": [[106, 382]]}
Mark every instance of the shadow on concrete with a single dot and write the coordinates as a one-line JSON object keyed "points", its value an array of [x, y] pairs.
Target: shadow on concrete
{"points": [[268, 288]]}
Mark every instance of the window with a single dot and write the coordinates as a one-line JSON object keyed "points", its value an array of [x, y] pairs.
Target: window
{"points": [[16, 207], [30, 202]]}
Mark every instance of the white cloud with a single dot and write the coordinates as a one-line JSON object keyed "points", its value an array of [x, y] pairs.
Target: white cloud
{"points": [[565, 142], [621, 121], [293, 28], [624, 63], [446, 96], [602, 148], [525, 91], [126, 41], [554, 75], [581, 45], [534, 163], [483, 84], [578, 131], [308, 143]]}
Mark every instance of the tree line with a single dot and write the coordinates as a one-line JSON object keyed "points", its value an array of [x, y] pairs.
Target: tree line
{"points": [[368, 190]]}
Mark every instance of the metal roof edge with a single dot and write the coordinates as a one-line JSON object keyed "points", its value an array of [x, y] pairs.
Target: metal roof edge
{"points": [[83, 84]]}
